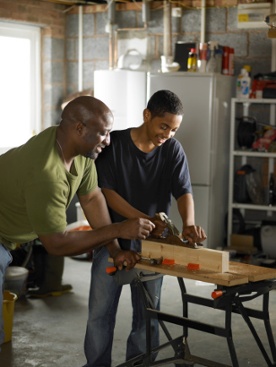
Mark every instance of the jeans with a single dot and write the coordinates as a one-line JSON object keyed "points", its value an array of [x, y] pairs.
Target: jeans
{"points": [[5, 260], [103, 303]]}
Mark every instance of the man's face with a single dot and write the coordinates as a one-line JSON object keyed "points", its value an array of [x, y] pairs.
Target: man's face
{"points": [[96, 136], [160, 129]]}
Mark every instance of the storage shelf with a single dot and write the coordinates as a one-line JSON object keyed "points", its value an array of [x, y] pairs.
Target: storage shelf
{"points": [[254, 100], [237, 154], [249, 153], [254, 207]]}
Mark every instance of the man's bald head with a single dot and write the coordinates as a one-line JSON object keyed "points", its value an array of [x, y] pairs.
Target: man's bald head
{"points": [[81, 109], [85, 127]]}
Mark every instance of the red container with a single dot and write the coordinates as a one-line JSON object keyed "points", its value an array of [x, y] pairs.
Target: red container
{"points": [[231, 61], [225, 60]]}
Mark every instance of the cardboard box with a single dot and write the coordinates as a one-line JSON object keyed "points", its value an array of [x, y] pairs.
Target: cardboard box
{"points": [[243, 244]]}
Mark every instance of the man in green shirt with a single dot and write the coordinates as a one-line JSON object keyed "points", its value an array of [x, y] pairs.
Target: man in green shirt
{"points": [[40, 178]]}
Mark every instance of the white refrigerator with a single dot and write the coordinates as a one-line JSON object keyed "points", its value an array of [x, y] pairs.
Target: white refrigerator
{"points": [[204, 135], [204, 132], [124, 92]]}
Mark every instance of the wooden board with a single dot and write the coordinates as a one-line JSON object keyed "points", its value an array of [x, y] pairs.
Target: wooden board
{"points": [[239, 273], [207, 259], [253, 272], [181, 271]]}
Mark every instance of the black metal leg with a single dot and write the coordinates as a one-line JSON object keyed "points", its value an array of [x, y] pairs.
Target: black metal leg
{"points": [[231, 301], [228, 329], [253, 332], [268, 327]]}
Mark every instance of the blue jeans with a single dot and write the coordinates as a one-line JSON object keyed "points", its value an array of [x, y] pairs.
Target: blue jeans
{"points": [[5, 260], [103, 303]]}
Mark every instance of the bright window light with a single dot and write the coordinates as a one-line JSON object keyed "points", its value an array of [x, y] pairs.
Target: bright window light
{"points": [[19, 92]]}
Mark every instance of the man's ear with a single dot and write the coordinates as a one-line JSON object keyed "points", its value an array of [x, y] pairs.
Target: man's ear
{"points": [[79, 127], [146, 114]]}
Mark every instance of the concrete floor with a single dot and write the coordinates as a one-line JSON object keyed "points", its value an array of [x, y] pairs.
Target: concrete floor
{"points": [[50, 332]]}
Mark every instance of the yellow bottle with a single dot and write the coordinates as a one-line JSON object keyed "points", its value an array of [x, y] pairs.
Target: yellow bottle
{"points": [[192, 60]]}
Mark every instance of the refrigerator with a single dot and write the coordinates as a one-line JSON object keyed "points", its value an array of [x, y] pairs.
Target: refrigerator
{"points": [[204, 133], [124, 92]]}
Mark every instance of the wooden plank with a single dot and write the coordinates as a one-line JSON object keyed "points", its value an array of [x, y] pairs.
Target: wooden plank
{"points": [[208, 259], [239, 273], [253, 272], [181, 271]]}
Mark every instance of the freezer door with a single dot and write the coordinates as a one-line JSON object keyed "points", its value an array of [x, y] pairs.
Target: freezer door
{"points": [[124, 92], [196, 94]]}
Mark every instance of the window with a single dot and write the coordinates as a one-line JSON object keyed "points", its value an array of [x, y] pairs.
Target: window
{"points": [[20, 115]]}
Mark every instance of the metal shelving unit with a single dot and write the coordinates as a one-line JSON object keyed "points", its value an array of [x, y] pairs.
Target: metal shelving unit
{"points": [[242, 156]]}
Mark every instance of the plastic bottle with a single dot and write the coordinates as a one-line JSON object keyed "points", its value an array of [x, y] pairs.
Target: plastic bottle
{"points": [[218, 56], [192, 60], [243, 85], [231, 61], [248, 69], [225, 60], [212, 62], [203, 47]]}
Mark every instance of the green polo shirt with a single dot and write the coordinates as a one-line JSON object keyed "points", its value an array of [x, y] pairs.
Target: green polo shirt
{"points": [[36, 189]]}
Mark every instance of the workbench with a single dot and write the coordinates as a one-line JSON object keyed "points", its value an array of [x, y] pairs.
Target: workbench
{"points": [[232, 289]]}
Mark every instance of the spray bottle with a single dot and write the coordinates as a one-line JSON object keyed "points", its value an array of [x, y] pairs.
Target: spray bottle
{"points": [[243, 84], [211, 66]]}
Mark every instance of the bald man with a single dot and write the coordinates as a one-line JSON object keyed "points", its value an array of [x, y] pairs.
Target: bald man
{"points": [[40, 178]]}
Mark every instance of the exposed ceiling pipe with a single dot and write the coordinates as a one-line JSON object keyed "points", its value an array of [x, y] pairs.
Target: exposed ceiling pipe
{"points": [[203, 21], [145, 12], [145, 18], [80, 64], [111, 29], [167, 37]]}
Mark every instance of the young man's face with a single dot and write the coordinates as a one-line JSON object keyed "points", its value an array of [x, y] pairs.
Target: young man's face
{"points": [[160, 129]]}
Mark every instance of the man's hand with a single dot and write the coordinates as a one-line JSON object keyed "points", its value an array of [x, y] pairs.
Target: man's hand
{"points": [[194, 234], [160, 226], [136, 228], [126, 259]]}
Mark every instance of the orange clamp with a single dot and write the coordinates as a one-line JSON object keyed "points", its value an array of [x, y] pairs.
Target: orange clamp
{"points": [[193, 266], [111, 270], [168, 262], [217, 293]]}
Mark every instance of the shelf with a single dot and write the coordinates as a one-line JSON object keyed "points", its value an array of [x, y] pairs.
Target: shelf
{"points": [[255, 100], [242, 156], [253, 207], [247, 153]]}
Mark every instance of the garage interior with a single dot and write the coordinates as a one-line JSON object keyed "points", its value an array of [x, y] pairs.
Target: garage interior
{"points": [[50, 332]]}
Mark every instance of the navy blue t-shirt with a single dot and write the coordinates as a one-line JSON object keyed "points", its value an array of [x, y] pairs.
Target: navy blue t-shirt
{"points": [[147, 181]]}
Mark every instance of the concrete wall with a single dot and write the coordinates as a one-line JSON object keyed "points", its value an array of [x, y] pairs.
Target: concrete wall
{"points": [[59, 28], [252, 46]]}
